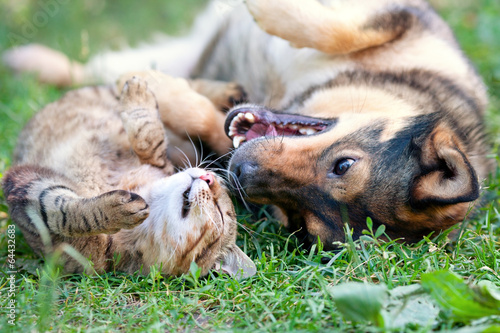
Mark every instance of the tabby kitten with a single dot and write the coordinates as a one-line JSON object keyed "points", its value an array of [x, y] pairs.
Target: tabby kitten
{"points": [[91, 170]]}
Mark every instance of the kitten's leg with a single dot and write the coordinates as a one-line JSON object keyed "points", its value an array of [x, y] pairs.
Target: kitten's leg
{"points": [[41, 199], [139, 113], [186, 112]]}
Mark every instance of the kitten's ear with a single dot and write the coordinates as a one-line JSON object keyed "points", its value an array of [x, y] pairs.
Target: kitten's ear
{"points": [[236, 263]]}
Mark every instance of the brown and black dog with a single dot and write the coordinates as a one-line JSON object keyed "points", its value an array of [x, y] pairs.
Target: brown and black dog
{"points": [[378, 115], [369, 109]]}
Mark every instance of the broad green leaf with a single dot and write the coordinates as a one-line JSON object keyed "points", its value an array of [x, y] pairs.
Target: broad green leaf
{"points": [[411, 305], [453, 294], [487, 294], [360, 302], [477, 329]]}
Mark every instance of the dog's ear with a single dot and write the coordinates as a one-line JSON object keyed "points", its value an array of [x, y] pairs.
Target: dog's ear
{"points": [[447, 176]]}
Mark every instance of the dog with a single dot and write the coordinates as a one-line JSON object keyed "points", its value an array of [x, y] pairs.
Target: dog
{"points": [[361, 109]]}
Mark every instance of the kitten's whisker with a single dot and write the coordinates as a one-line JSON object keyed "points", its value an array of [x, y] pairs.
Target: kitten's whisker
{"points": [[173, 252], [220, 157], [247, 229], [186, 162], [194, 148], [207, 161]]}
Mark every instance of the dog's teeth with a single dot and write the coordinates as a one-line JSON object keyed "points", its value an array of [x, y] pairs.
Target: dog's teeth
{"points": [[234, 122], [250, 117], [310, 131], [233, 129], [303, 131], [238, 140], [293, 127]]}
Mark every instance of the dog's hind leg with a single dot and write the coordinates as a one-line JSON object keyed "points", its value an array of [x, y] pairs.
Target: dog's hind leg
{"points": [[177, 56], [340, 28]]}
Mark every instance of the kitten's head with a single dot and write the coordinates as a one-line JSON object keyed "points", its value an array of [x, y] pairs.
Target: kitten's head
{"points": [[192, 218]]}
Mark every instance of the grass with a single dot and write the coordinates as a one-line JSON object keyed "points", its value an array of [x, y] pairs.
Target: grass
{"points": [[292, 289]]}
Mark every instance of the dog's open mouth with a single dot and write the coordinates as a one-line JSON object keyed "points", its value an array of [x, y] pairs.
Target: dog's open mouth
{"points": [[247, 123]]}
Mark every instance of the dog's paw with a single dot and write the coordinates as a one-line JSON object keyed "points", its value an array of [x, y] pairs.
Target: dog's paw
{"points": [[234, 95], [137, 95], [289, 20], [124, 210], [265, 13]]}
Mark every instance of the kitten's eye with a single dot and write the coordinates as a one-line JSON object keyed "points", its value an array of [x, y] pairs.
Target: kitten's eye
{"points": [[342, 166]]}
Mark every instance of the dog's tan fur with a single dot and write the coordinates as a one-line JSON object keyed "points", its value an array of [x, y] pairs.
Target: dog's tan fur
{"points": [[396, 99], [384, 69]]}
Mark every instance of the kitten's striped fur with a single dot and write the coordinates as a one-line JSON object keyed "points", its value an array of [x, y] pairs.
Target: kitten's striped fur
{"points": [[91, 170]]}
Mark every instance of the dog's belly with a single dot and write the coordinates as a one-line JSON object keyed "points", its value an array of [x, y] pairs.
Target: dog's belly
{"points": [[272, 71]]}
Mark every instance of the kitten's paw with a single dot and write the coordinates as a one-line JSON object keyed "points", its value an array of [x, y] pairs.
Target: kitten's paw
{"points": [[136, 94], [125, 210]]}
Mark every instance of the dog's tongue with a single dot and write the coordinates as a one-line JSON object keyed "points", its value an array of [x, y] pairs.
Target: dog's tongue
{"points": [[258, 130], [271, 131]]}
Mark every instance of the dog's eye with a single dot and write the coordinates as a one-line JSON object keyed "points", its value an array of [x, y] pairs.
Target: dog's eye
{"points": [[342, 166]]}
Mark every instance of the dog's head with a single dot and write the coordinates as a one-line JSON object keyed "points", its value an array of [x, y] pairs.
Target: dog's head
{"points": [[404, 169]]}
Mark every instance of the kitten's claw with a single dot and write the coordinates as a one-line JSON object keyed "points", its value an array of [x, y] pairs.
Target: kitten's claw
{"points": [[136, 94]]}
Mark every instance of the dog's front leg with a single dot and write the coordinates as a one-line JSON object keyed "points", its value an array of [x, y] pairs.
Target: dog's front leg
{"points": [[344, 28], [224, 95]]}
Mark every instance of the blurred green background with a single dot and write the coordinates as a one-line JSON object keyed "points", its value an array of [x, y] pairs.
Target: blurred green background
{"points": [[286, 294]]}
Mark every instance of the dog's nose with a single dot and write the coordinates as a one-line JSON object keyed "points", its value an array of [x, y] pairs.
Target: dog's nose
{"points": [[243, 170]]}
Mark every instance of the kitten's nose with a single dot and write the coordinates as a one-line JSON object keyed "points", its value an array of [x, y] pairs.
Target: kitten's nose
{"points": [[209, 178]]}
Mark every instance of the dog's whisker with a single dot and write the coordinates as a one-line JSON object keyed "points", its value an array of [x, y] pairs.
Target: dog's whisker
{"points": [[239, 188], [220, 157]]}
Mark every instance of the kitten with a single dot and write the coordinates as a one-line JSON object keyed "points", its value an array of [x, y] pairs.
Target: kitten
{"points": [[91, 170]]}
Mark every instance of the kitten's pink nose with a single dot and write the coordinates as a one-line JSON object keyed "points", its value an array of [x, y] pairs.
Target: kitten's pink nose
{"points": [[209, 178]]}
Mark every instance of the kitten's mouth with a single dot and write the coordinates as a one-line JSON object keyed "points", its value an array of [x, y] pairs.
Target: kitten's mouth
{"points": [[249, 122], [186, 204], [200, 194]]}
